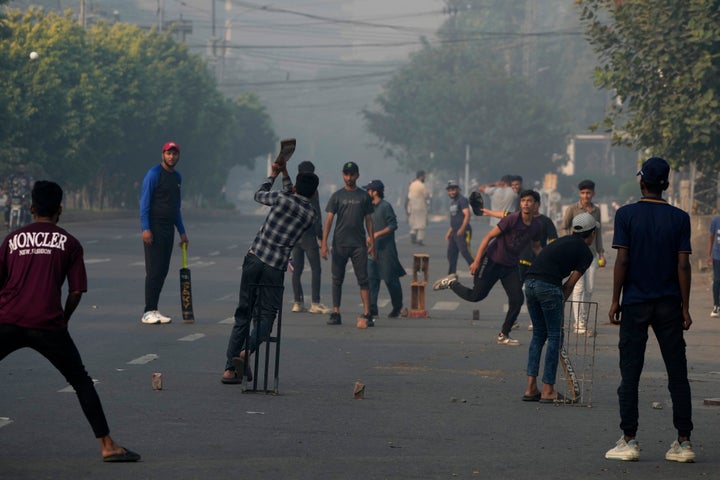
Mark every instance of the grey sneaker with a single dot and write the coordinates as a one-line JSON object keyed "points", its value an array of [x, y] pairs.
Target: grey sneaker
{"points": [[627, 451], [445, 282], [681, 452], [506, 340]]}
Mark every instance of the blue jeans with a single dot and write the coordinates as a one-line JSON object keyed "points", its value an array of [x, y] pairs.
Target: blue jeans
{"points": [[665, 317], [545, 304], [716, 282], [261, 292]]}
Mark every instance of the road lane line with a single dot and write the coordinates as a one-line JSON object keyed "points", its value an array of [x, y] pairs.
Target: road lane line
{"points": [[143, 360], [191, 338]]}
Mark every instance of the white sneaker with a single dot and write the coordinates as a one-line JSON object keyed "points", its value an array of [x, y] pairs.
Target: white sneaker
{"points": [[319, 308], [579, 327], [506, 340], [298, 307], [150, 317], [627, 451], [515, 326], [163, 318], [681, 452], [445, 282], [530, 327], [715, 311]]}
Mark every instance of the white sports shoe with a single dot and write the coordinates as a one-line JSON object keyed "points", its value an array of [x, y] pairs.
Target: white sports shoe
{"points": [[319, 308], [681, 452], [163, 318], [150, 317], [298, 307], [506, 340], [627, 451], [715, 311], [445, 282]]}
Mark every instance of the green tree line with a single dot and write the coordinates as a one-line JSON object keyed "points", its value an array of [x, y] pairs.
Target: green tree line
{"points": [[94, 108]]}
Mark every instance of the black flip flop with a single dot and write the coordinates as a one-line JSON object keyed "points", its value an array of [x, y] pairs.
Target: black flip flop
{"points": [[128, 456], [559, 399], [531, 398], [230, 381]]}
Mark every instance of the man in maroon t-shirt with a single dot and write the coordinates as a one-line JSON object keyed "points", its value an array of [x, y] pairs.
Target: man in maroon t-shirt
{"points": [[34, 262], [497, 259]]}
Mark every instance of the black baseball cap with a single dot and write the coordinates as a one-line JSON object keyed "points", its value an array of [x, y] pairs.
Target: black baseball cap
{"points": [[350, 167]]}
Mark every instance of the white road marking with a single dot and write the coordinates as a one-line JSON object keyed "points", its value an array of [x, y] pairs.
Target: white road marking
{"points": [[229, 296], [214, 254], [233, 247], [138, 264], [228, 321], [191, 338], [445, 306], [200, 264], [5, 421], [143, 360], [96, 260]]}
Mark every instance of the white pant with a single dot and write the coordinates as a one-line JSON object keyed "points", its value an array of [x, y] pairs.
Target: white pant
{"points": [[583, 293]]}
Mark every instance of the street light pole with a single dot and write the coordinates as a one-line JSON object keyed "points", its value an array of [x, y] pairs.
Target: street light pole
{"points": [[467, 169]]}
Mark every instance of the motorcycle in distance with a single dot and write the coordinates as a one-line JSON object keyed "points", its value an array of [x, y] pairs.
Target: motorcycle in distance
{"points": [[19, 214]]}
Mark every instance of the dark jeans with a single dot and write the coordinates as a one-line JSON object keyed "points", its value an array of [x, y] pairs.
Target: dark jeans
{"points": [[458, 245], [261, 291], [716, 282], [340, 256], [393, 286], [157, 262], [665, 317], [485, 278], [545, 304], [312, 251], [58, 347]]}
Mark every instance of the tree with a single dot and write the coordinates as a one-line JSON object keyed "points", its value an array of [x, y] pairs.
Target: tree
{"points": [[94, 109], [451, 96], [660, 60]]}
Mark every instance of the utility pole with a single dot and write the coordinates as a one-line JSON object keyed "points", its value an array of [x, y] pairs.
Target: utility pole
{"points": [[160, 14], [83, 16]]}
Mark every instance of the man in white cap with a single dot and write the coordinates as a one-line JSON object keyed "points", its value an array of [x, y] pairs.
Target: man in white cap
{"points": [[545, 295]]}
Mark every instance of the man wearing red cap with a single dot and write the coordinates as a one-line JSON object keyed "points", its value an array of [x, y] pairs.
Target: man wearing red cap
{"points": [[159, 216]]}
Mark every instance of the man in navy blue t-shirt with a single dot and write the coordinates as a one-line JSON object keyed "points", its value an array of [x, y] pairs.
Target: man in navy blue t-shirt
{"points": [[652, 272]]}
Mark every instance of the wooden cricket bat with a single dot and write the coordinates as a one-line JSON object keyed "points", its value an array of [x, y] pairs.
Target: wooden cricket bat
{"points": [[287, 148], [573, 392], [186, 289]]}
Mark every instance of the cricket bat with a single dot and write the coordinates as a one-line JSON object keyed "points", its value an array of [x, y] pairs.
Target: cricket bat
{"points": [[287, 148], [186, 289], [573, 392]]}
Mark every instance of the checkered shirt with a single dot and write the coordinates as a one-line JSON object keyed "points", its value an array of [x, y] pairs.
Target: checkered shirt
{"points": [[290, 215]]}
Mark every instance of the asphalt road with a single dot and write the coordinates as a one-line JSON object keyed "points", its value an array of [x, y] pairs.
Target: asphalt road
{"points": [[442, 399]]}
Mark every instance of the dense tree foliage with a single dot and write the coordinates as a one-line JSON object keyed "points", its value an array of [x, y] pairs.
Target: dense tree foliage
{"points": [[93, 110], [510, 79], [447, 98], [660, 59]]}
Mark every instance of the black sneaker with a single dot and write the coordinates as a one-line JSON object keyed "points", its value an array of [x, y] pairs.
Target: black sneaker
{"points": [[398, 313], [370, 321], [334, 319]]}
